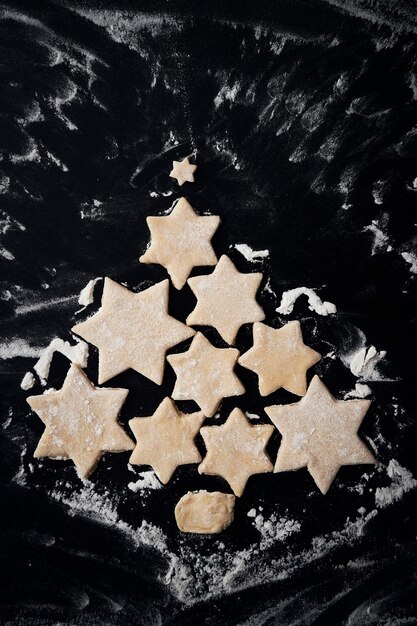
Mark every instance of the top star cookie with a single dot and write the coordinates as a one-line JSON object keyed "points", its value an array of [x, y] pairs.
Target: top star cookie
{"points": [[183, 171]]}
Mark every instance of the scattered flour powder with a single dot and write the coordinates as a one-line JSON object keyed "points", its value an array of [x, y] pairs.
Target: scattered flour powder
{"points": [[402, 482], [249, 254], [290, 297]]}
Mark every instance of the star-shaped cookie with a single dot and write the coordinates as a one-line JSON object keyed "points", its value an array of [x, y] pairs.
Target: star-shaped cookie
{"points": [[205, 374], [320, 433], [181, 241], [280, 358], [133, 330], [236, 450], [165, 440], [226, 299], [183, 171], [80, 422]]}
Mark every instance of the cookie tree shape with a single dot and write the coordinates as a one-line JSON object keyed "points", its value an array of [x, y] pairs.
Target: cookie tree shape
{"points": [[280, 358], [205, 374], [181, 241], [226, 299], [80, 422], [133, 330], [183, 171], [165, 440], [236, 450], [320, 433]]}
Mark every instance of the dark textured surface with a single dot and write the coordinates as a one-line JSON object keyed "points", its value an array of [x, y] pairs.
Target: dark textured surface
{"points": [[302, 116]]}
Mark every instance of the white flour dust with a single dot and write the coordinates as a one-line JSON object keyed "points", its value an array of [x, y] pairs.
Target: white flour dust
{"points": [[402, 481], [250, 254], [411, 259], [364, 363], [290, 297], [77, 354], [87, 294], [145, 481]]}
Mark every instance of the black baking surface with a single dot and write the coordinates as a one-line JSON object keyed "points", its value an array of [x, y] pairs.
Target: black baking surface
{"points": [[302, 118]]}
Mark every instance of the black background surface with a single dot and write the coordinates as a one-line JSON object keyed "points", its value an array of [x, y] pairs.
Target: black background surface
{"points": [[302, 117]]}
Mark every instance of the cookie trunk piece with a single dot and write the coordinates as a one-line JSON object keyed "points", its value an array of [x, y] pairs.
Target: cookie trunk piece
{"points": [[205, 512]]}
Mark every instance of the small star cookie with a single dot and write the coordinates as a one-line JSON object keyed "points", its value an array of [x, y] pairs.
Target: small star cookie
{"points": [[320, 433], [183, 171], [181, 241], [133, 330], [280, 358], [165, 440], [236, 450], [205, 374], [80, 422], [226, 299]]}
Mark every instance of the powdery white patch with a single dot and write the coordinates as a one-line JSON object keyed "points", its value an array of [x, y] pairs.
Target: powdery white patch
{"points": [[274, 529], [363, 363], [290, 297], [411, 259], [361, 391], [381, 241], [226, 93], [252, 416], [402, 482], [100, 508], [18, 348], [145, 481], [28, 381], [87, 294], [77, 354], [268, 289], [250, 254], [6, 254], [192, 576]]}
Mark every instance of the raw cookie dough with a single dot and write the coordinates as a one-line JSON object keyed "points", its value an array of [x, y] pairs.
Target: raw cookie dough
{"points": [[165, 440], [226, 299], [133, 330], [205, 512], [236, 450], [80, 422], [320, 433], [183, 171], [181, 241], [205, 374], [280, 358]]}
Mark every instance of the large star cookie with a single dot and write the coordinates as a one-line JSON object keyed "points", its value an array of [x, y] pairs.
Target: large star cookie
{"points": [[165, 440], [226, 299], [236, 450], [280, 358], [205, 374], [133, 330], [320, 433], [80, 422], [183, 171], [181, 241]]}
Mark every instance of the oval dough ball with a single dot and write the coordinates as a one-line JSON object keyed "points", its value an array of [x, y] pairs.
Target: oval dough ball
{"points": [[205, 512]]}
